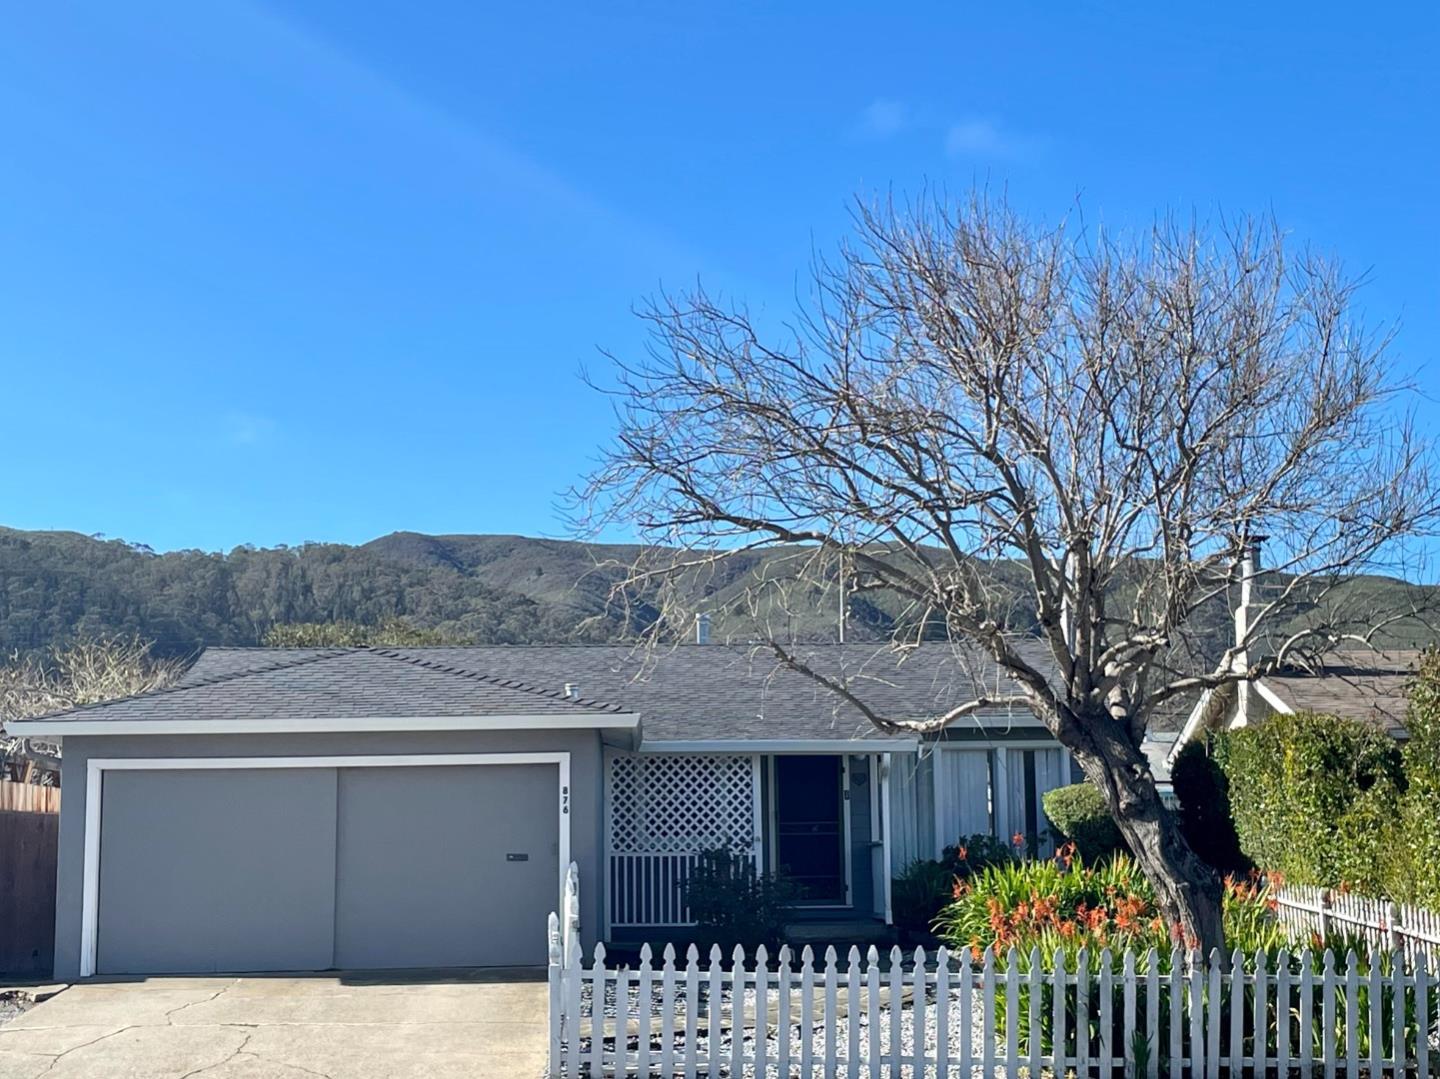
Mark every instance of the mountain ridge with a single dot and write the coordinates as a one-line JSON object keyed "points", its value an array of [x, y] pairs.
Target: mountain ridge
{"points": [[479, 588]]}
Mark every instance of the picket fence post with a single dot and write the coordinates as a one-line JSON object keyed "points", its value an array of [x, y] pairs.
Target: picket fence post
{"points": [[1422, 1013], [553, 975]]}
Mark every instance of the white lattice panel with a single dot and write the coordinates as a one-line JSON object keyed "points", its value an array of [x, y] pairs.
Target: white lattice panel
{"points": [[681, 803]]}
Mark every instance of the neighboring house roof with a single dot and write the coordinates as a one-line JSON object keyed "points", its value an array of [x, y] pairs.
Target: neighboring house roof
{"points": [[1362, 684], [1366, 685], [686, 693]]}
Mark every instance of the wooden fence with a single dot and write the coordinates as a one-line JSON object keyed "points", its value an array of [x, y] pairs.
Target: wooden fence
{"points": [[917, 1015], [29, 798], [29, 843], [1380, 923]]}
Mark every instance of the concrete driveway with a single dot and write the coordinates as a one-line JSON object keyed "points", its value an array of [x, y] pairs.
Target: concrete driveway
{"points": [[477, 1025]]}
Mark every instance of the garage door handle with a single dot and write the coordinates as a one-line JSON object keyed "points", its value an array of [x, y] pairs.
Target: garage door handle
{"points": [[517, 857]]}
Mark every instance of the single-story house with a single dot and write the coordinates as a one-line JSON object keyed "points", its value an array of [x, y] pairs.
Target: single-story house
{"points": [[358, 808], [1368, 685]]}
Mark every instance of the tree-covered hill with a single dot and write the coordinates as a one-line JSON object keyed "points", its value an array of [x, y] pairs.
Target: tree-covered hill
{"points": [[55, 586]]}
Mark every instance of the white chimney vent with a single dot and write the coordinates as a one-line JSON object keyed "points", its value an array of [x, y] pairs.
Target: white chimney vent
{"points": [[702, 628], [572, 691]]}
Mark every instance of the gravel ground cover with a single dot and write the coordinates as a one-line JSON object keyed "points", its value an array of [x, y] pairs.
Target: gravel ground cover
{"points": [[815, 1029], [13, 1004]]}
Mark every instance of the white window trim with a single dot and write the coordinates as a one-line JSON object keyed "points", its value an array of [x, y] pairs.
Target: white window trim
{"points": [[324, 724], [94, 785]]}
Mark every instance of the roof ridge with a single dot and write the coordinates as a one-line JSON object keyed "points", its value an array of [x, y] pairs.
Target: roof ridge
{"points": [[494, 680], [213, 680]]}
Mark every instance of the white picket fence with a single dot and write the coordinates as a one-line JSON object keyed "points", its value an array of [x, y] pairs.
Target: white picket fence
{"points": [[1380, 923], [917, 1015]]}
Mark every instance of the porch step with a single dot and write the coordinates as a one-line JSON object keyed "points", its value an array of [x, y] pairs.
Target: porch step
{"points": [[842, 934]]}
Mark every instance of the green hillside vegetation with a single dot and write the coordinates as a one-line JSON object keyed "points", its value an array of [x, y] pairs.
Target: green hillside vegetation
{"points": [[59, 586]]}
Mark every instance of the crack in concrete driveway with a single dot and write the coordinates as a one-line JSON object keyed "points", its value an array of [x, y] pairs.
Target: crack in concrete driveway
{"points": [[374, 1026]]}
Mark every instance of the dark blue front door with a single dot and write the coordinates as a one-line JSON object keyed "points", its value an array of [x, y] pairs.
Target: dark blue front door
{"points": [[810, 825]]}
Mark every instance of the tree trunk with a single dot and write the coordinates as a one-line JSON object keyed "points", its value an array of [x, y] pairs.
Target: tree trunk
{"points": [[1187, 890]]}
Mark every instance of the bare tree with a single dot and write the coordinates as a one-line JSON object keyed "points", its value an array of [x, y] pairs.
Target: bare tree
{"points": [[1121, 419], [82, 672]]}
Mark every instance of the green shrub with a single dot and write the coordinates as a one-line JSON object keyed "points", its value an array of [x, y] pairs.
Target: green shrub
{"points": [[734, 903], [1080, 814], [1414, 873], [1315, 798], [921, 891], [1065, 905], [1057, 907], [1204, 793]]}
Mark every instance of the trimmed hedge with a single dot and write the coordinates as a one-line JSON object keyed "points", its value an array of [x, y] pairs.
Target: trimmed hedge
{"points": [[1415, 874], [1317, 798], [1080, 814]]}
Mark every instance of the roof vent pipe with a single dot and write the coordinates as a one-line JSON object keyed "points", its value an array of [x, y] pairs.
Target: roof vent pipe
{"points": [[572, 691], [702, 628]]}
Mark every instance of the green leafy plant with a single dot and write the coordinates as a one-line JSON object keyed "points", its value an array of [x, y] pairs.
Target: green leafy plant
{"points": [[1039, 913], [1079, 813], [923, 888], [919, 893], [976, 852], [733, 903], [1412, 872], [1315, 797], [1139, 1053]]}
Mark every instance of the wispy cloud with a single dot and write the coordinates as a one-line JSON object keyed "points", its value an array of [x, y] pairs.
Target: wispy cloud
{"points": [[247, 429], [882, 118], [986, 138]]}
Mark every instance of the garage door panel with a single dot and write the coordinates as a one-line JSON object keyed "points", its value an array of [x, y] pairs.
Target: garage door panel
{"points": [[445, 866], [217, 870]]}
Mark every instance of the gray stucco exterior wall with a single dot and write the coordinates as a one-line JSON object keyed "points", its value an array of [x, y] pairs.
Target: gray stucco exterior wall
{"points": [[585, 814]]}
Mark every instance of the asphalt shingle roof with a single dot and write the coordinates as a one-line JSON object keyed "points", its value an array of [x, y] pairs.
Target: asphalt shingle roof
{"points": [[1366, 685], [335, 683], [719, 691], [684, 693]]}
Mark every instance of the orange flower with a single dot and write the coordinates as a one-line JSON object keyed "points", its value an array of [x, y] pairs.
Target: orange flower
{"points": [[1018, 839], [962, 852]]}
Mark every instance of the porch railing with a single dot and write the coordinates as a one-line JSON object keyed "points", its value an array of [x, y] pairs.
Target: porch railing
{"points": [[648, 888]]}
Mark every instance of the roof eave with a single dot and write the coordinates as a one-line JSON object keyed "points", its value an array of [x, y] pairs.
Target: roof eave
{"points": [[897, 744], [58, 726]]}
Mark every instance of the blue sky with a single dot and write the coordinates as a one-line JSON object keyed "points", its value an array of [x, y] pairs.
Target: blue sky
{"points": [[275, 272]]}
